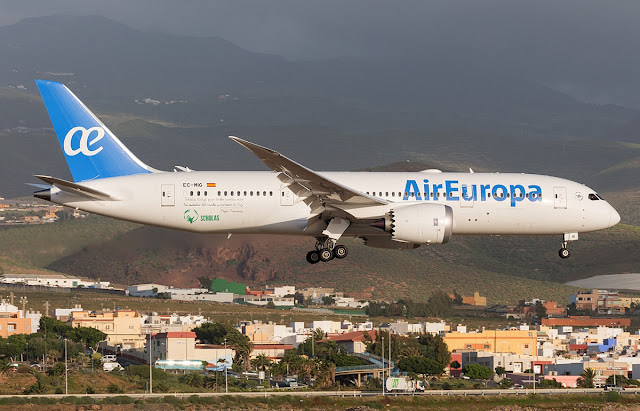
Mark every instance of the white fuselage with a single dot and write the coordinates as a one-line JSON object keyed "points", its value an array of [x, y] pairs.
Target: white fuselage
{"points": [[259, 203]]}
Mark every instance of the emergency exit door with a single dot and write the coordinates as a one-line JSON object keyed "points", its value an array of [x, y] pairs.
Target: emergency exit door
{"points": [[559, 197], [168, 195]]}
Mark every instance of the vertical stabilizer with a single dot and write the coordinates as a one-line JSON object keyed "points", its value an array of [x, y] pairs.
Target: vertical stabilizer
{"points": [[92, 151]]}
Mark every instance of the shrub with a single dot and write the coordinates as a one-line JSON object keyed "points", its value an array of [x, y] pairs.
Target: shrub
{"points": [[114, 389]]}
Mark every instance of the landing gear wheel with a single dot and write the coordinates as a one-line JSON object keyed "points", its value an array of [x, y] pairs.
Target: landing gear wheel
{"points": [[564, 253], [340, 251], [326, 255], [313, 257]]}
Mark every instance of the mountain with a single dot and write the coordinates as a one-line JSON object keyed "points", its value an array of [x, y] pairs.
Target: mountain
{"points": [[213, 81]]}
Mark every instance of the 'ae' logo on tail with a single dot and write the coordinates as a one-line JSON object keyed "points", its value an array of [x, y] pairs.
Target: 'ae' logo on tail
{"points": [[84, 144]]}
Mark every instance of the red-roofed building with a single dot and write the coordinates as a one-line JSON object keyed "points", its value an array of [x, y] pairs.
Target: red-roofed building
{"points": [[353, 342]]}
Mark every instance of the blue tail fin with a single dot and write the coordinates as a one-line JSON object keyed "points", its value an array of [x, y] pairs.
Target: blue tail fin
{"points": [[91, 150]]}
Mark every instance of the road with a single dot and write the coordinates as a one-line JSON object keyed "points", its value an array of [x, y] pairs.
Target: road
{"points": [[548, 391]]}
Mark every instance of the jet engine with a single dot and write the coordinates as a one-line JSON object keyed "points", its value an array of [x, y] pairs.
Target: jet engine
{"points": [[419, 223], [385, 241]]}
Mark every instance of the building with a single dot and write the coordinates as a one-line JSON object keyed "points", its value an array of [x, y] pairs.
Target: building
{"points": [[476, 300], [220, 285], [586, 321], [147, 290], [12, 321], [353, 342], [602, 301], [52, 280], [123, 327], [502, 341]]}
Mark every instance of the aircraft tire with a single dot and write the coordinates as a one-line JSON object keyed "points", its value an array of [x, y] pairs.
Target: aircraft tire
{"points": [[313, 257], [340, 251], [564, 253], [326, 255]]}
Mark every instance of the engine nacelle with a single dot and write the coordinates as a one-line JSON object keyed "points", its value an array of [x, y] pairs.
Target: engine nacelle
{"points": [[421, 223], [387, 242]]}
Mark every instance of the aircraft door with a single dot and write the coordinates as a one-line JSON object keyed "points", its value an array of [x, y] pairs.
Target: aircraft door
{"points": [[168, 195], [286, 197], [467, 197], [559, 197]]}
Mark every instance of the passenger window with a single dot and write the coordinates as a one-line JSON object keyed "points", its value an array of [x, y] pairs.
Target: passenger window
{"points": [[205, 193], [489, 195], [245, 193], [225, 193], [264, 193], [258, 193], [251, 193], [393, 194], [232, 194], [386, 194], [270, 193], [406, 194], [191, 193], [198, 193]]}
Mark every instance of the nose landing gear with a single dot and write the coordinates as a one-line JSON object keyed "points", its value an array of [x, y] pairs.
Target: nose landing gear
{"points": [[564, 251]]}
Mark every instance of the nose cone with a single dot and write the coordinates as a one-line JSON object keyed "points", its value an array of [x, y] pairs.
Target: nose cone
{"points": [[615, 217]]}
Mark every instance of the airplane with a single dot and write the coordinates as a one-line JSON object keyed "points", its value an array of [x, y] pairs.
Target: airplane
{"points": [[394, 210]]}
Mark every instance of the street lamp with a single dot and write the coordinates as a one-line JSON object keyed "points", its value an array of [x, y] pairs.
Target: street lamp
{"points": [[66, 380], [226, 380], [150, 363], [382, 352]]}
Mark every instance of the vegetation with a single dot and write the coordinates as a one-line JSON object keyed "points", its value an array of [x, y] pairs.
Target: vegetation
{"points": [[586, 378], [219, 333], [477, 372]]}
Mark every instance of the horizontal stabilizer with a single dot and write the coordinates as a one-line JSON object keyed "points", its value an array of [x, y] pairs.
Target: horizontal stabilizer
{"points": [[75, 188]]}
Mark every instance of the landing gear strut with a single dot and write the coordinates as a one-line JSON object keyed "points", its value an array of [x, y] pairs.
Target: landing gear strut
{"points": [[326, 247], [564, 251]]}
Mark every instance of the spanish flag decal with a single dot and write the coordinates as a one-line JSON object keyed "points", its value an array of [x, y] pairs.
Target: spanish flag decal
{"points": [[211, 184]]}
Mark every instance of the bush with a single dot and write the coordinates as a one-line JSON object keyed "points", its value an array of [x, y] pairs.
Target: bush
{"points": [[90, 390], [161, 387], [114, 389]]}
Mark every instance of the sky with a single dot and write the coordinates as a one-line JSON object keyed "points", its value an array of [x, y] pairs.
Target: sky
{"points": [[582, 46]]}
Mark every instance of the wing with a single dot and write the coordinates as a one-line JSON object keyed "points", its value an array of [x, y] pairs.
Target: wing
{"points": [[312, 187]]}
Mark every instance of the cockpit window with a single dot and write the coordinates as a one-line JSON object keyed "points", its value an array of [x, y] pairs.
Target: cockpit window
{"points": [[594, 197]]}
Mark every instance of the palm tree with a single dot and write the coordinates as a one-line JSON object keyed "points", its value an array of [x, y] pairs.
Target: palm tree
{"points": [[586, 378]]}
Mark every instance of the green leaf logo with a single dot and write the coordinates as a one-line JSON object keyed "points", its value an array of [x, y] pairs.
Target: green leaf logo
{"points": [[191, 215]]}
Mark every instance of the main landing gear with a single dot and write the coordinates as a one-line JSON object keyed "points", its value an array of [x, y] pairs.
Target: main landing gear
{"points": [[564, 251], [326, 250]]}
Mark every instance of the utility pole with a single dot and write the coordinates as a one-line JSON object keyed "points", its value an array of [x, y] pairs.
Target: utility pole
{"points": [[389, 353], [11, 297], [66, 377], [24, 301], [382, 351], [226, 380], [150, 363], [46, 308]]}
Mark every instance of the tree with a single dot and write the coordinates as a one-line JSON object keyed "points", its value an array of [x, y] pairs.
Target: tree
{"points": [[455, 365], [216, 333], [550, 384], [500, 370], [586, 378], [506, 383], [620, 380], [457, 298], [327, 300], [435, 348], [439, 304], [421, 365], [271, 304], [477, 371], [541, 310], [261, 362]]}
